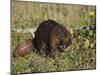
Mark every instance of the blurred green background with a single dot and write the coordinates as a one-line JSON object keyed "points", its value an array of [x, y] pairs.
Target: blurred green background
{"points": [[81, 54]]}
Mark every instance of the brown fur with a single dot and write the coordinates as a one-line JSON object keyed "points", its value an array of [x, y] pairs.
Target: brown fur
{"points": [[51, 38]]}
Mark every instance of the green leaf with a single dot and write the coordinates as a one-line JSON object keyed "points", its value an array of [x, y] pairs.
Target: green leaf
{"points": [[86, 44], [91, 32]]}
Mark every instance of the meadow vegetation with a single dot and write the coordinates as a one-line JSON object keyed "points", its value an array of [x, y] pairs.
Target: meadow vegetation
{"points": [[80, 55]]}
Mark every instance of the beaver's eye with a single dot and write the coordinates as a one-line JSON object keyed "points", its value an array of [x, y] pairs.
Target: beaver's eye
{"points": [[61, 35]]}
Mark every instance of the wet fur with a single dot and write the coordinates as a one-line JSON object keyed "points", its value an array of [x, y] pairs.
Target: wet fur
{"points": [[51, 38]]}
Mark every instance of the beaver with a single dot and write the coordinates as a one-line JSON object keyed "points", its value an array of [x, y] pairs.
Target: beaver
{"points": [[51, 38]]}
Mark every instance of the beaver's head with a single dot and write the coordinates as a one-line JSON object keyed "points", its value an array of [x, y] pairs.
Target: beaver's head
{"points": [[64, 38]]}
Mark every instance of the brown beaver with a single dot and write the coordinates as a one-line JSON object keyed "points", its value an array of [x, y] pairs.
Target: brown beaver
{"points": [[51, 38]]}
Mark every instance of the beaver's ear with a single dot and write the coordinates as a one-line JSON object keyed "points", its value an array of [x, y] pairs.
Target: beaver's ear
{"points": [[59, 30]]}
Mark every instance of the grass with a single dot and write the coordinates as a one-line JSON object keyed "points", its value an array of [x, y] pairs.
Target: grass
{"points": [[81, 54]]}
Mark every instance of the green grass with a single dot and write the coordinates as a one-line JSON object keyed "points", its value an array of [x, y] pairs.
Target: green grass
{"points": [[81, 54]]}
